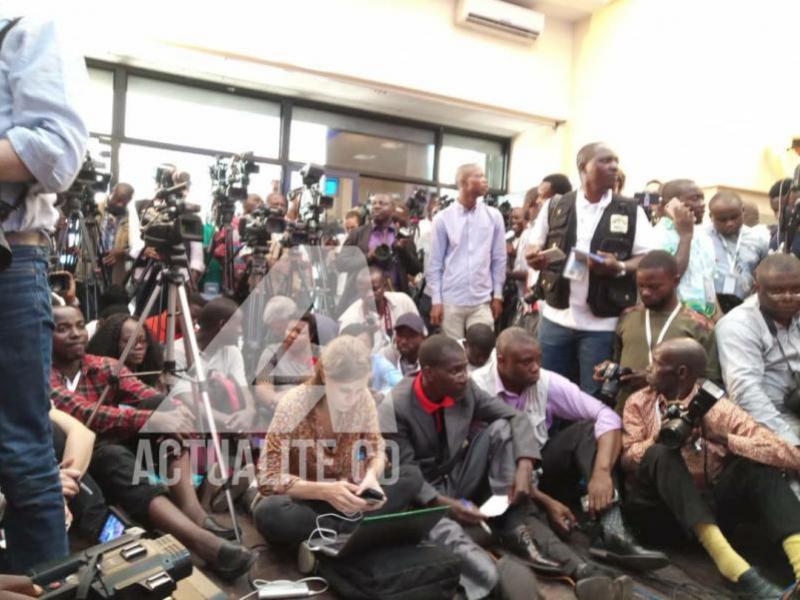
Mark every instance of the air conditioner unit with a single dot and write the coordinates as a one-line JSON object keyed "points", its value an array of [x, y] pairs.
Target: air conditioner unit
{"points": [[500, 18]]}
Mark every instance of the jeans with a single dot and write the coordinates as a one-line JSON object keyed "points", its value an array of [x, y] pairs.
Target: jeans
{"points": [[34, 521], [574, 353]]}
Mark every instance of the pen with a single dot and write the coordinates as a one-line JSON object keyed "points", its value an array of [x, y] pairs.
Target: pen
{"points": [[484, 526], [86, 488]]}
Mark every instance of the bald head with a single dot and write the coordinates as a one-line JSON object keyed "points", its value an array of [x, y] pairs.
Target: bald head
{"points": [[778, 265], [684, 352], [513, 338]]}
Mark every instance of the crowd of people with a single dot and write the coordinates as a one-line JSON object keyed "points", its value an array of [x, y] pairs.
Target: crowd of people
{"points": [[631, 373]]}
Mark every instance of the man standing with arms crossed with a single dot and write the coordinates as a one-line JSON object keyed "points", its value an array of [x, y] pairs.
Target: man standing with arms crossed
{"points": [[42, 144], [467, 267]]}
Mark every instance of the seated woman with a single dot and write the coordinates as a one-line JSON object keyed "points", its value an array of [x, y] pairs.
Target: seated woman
{"points": [[384, 374], [324, 448], [145, 357]]}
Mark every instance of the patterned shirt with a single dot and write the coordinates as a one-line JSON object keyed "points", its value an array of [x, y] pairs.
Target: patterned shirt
{"points": [[696, 288], [113, 419], [644, 413], [630, 341], [297, 448]]}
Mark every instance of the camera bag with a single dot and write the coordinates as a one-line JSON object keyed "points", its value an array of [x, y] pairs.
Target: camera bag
{"points": [[423, 572]]}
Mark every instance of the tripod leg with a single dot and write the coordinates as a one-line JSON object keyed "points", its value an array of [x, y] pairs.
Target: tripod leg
{"points": [[202, 384]]}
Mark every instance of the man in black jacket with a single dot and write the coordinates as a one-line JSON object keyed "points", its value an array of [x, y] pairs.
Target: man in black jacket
{"points": [[603, 236], [383, 246]]}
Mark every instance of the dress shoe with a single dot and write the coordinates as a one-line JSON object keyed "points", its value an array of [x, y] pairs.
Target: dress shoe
{"points": [[616, 545], [232, 561], [226, 533], [753, 586], [519, 541], [240, 482]]}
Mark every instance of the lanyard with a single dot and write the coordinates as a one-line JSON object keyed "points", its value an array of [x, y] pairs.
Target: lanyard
{"points": [[72, 384], [731, 257], [649, 334]]}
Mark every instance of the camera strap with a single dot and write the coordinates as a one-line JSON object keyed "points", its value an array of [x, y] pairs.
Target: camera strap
{"points": [[649, 333], [773, 329], [7, 28]]}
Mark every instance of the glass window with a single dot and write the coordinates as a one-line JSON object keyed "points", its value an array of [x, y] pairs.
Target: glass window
{"points": [[360, 144], [458, 150], [138, 167], [180, 114], [100, 101]]}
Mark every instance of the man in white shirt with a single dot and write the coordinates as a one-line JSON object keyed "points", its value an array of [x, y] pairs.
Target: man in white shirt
{"points": [[376, 307], [602, 237]]}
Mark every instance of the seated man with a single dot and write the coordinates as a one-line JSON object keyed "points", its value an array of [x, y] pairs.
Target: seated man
{"points": [[298, 472], [479, 345], [738, 250], [77, 381], [680, 234], [759, 347], [432, 414], [587, 448], [377, 307], [727, 454], [409, 333], [659, 316]]}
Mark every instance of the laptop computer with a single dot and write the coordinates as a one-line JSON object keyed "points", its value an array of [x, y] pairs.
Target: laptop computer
{"points": [[404, 528]]}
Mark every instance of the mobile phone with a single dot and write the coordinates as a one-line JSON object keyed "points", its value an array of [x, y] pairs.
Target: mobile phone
{"points": [[585, 500], [583, 257], [113, 527], [372, 496], [553, 254]]}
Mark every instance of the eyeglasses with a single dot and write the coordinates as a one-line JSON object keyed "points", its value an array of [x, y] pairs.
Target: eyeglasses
{"points": [[778, 294]]}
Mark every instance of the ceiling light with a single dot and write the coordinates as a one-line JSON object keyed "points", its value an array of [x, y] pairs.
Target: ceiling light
{"points": [[364, 156], [392, 145]]}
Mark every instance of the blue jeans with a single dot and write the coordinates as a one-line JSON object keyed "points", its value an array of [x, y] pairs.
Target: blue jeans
{"points": [[574, 353], [29, 478]]}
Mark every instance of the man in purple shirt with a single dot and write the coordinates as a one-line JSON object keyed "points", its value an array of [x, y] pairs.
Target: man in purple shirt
{"points": [[467, 266], [588, 447]]}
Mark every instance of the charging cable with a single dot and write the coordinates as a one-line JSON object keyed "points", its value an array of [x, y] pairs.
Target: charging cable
{"points": [[327, 535], [286, 585]]}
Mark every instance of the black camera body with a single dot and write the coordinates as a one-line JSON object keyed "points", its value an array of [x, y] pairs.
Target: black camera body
{"points": [[680, 421], [128, 568], [80, 195], [176, 222], [612, 383], [257, 228], [230, 177]]}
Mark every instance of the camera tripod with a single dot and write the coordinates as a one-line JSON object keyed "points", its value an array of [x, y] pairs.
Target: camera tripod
{"points": [[172, 276], [254, 333], [76, 252]]}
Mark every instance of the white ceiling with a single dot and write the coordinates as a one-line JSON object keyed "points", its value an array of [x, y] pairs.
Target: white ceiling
{"points": [[568, 10]]}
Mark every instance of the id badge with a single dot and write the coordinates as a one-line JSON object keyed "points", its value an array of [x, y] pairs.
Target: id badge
{"points": [[575, 270], [729, 285]]}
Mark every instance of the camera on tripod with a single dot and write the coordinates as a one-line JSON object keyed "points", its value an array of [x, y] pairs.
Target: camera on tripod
{"points": [[89, 181], [311, 227], [230, 177], [257, 228], [127, 568], [175, 221], [680, 421]]}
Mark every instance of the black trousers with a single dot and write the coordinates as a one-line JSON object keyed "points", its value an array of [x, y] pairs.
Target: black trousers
{"points": [[567, 457], [663, 502], [283, 520]]}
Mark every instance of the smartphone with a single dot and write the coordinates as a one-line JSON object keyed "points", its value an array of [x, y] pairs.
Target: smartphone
{"points": [[553, 254], [372, 496], [585, 500], [583, 257], [113, 527]]}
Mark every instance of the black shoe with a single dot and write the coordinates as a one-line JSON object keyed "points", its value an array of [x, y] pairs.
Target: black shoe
{"points": [[586, 569], [226, 533], [753, 586], [616, 545], [519, 541], [233, 561]]}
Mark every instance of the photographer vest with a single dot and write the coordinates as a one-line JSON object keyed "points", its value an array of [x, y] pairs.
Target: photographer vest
{"points": [[615, 233]]}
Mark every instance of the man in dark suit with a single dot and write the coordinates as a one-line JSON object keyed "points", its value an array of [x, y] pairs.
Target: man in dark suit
{"points": [[373, 239], [430, 417]]}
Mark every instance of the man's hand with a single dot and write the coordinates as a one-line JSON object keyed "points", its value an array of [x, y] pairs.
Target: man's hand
{"points": [[462, 511], [150, 252], [522, 487], [610, 267], [560, 516], [601, 492], [599, 370], [497, 308], [70, 479], [437, 314], [536, 259], [342, 496], [17, 584], [114, 255], [241, 421], [682, 218]]}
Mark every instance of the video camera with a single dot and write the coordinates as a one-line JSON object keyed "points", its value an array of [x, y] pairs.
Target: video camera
{"points": [[257, 228], [89, 181], [230, 177], [311, 227], [680, 421], [127, 568], [175, 221]]}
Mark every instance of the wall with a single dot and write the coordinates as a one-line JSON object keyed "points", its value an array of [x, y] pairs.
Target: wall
{"points": [[681, 88]]}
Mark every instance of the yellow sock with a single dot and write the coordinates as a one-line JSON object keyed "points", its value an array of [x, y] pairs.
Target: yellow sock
{"points": [[728, 561], [791, 545]]}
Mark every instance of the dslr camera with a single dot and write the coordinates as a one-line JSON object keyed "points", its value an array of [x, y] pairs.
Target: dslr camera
{"points": [[612, 383], [680, 421]]}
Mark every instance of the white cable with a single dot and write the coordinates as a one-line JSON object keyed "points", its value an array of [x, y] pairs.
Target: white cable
{"points": [[263, 583], [326, 534]]}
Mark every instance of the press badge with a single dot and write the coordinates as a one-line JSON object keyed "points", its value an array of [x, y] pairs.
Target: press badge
{"points": [[619, 224], [729, 285], [575, 269]]}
